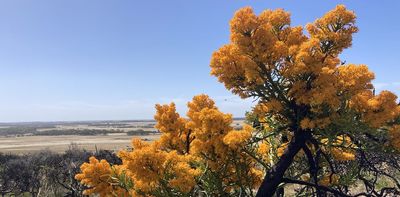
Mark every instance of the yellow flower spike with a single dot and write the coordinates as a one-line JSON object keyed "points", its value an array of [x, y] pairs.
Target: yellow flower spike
{"points": [[235, 139], [328, 180], [281, 149], [97, 174]]}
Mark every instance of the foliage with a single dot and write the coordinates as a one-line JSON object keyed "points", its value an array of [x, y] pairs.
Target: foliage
{"points": [[140, 132], [318, 123], [46, 173]]}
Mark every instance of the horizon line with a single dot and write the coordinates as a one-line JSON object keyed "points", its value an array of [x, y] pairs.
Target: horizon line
{"points": [[84, 121]]}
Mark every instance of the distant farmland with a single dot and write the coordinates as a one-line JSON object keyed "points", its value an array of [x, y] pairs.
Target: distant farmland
{"points": [[90, 135]]}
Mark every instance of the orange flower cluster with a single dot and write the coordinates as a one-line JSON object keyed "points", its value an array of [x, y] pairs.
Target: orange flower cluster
{"points": [[376, 110], [328, 180], [98, 176], [264, 151], [172, 126], [149, 166], [236, 139], [341, 148]]}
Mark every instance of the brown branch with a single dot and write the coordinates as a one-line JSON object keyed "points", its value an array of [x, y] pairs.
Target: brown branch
{"points": [[274, 176]]}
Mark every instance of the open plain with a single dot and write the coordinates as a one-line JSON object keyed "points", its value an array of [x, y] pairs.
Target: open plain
{"points": [[22, 138]]}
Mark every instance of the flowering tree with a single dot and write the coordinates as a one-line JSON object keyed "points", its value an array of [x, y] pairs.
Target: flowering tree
{"points": [[317, 125], [201, 154]]}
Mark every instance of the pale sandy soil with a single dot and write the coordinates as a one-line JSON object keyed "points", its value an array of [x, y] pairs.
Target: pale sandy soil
{"points": [[27, 144]]}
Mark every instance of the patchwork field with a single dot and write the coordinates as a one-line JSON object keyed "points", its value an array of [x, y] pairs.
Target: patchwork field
{"points": [[26, 144], [59, 136]]}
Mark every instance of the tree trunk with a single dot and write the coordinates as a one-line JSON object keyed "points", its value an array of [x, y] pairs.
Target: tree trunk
{"points": [[274, 176]]}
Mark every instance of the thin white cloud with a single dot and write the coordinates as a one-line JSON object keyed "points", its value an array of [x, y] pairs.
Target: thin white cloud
{"points": [[391, 86], [117, 110], [396, 83], [380, 85]]}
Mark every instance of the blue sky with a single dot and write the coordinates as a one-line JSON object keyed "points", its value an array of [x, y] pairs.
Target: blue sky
{"points": [[95, 60]]}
